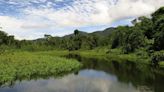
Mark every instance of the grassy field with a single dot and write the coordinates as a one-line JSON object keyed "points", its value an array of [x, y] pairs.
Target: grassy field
{"points": [[25, 65]]}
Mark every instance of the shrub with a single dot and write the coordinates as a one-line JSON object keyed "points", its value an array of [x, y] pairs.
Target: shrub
{"points": [[157, 57]]}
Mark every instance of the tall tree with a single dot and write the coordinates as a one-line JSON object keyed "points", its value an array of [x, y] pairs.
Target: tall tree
{"points": [[158, 19], [133, 41], [146, 25]]}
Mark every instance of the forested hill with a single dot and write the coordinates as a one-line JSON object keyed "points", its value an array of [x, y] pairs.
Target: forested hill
{"points": [[79, 32], [89, 40], [105, 32]]}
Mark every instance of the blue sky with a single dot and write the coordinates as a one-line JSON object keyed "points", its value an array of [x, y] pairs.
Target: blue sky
{"points": [[31, 19]]}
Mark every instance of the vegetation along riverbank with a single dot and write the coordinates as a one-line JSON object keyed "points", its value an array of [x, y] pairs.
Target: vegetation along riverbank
{"points": [[28, 65]]}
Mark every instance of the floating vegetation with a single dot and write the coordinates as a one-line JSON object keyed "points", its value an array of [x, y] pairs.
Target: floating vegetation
{"points": [[25, 65]]}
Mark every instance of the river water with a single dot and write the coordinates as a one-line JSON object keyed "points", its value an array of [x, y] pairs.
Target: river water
{"points": [[97, 75]]}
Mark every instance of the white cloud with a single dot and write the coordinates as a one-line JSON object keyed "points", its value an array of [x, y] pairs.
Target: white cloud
{"points": [[80, 13], [89, 12], [27, 28]]}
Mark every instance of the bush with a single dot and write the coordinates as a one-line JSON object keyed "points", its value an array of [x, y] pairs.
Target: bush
{"points": [[157, 57], [159, 41]]}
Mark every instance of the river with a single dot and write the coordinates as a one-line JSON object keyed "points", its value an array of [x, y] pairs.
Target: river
{"points": [[97, 75]]}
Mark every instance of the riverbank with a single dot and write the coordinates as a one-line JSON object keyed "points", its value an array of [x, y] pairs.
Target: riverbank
{"points": [[139, 56]]}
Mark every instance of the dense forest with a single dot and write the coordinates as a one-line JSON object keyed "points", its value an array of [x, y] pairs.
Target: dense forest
{"points": [[146, 34]]}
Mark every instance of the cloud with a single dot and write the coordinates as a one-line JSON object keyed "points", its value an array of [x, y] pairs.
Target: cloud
{"points": [[90, 12], [61, 14], [14, 26]]}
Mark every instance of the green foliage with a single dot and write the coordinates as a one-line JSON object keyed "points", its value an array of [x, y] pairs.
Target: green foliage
{"points": [[158, 13], [20, 65], [130, 38], [135, 37], [159, 24], [157, 57], [118, 37], [158, 19], [81, 41], [133, 41], [159, 41], [3, 38], [146, 25]]}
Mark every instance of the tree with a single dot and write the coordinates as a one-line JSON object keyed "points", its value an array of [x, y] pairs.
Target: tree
{"points": [[133, 41], [157, 14], [159, 41], [46, 36], [76, 32], [158, 19], [10, 40], [92, 41], [3, 38], [118, 37], [146, 25]]}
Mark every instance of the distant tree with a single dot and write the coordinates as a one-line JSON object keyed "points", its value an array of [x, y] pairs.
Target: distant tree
{"points": [[11, 40], [47, 36], [76, 32], [93, 41], [3, 38]]}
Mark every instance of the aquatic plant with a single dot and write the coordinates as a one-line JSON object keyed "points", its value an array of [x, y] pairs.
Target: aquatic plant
{"points": [[25, 65]]}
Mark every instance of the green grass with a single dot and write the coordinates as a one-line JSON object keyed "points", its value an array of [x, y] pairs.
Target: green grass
{"points": [[95, 53], [25, 65], [114, 55], [161, 64]]}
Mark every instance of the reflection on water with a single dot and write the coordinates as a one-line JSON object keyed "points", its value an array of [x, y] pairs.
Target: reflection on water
{"points": [[98, 76], [85, 81]]}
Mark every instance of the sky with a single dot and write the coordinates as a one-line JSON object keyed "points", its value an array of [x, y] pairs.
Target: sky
{"points": [[31, 19]]}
